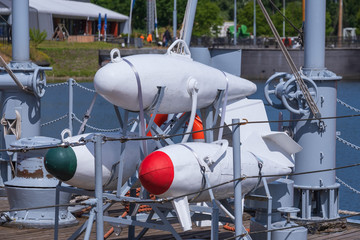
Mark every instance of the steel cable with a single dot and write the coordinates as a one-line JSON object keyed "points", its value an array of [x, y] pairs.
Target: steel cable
{"points": [[304, 89]]}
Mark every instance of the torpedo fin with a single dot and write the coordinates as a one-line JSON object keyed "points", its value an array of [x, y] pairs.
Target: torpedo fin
{"points": [[283, 141], [248, 110], [182, 209]]}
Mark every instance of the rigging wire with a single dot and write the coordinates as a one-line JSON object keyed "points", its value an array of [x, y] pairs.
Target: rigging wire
{"points": [[304, 89], [288, 20]]}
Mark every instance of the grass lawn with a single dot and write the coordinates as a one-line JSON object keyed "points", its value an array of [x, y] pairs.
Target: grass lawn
{"points": [[68, 59], [76, 60]]}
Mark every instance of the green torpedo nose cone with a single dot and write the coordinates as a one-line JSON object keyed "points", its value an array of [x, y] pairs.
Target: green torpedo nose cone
{"points": [[61, 163]]}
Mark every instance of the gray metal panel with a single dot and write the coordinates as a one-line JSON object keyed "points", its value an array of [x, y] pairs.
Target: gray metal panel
{"points": [[227, 61], [201, 54], [319, 147]]}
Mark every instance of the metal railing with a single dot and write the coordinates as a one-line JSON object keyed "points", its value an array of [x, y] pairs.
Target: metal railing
{"points": [[270, 42]]}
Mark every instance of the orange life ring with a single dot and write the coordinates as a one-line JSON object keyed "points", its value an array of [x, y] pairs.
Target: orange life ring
{"points": [[198, 126]]}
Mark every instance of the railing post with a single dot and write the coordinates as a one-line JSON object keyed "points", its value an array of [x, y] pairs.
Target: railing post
{"points": [[235, 22], [237, 174], [57, 201], [98, 138], [71, 103]]}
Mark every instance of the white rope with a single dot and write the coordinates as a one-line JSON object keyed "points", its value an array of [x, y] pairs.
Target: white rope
{"points": [[347, 105], [347, 143], [95, 128], [347, 185], [53, 121]]}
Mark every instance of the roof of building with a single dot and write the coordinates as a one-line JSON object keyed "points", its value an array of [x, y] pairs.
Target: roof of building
{"points": [[73, 9]]}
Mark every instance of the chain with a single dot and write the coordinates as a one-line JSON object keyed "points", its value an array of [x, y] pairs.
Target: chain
{"points": [[347, 143], [53, 121], [84, 88], [347, 105], [347, 185], [56, 84], [95, 128]]}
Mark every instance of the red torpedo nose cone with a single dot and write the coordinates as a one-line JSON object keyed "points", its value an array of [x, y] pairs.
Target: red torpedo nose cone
{"points": [[156, 172]]}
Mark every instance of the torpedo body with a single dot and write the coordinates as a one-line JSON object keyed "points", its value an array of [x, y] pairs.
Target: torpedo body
{"points": [[117, 82], [180, 169], [76, 167]]}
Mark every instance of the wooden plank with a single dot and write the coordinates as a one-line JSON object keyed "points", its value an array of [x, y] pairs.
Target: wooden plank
{"points": [[13, 233]]}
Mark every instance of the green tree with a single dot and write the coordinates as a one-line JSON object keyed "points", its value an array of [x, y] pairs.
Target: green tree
{"points": [[165, 10], [207, 19], [37, 37], [246, 16], [293, 12], [329, 30], [358, 23], [351, 8]]}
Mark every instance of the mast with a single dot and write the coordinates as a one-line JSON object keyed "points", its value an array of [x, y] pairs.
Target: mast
{"points": [[303, 11], [340, 25]]}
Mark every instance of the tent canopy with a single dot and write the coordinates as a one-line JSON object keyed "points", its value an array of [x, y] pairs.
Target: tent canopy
{"points": [[74, 9]]}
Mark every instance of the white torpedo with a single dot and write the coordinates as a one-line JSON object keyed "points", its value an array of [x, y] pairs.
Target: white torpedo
{"points": [[178, 73], [179, 169], [76, 167], [187, 168]]}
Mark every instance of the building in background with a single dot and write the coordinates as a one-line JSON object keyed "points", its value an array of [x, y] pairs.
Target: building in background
{"points": [[77, 17]]}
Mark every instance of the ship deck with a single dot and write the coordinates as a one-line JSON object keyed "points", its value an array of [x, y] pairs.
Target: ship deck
{"points": [[352, 231]]}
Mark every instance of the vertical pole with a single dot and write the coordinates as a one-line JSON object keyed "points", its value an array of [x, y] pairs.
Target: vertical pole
{"points": [[319, 139], [214, 221], [174, 21], [71, 103], [20, 31], [99, 26], [131, 228], [284, 19], [303, 11], [57, 200], [150, 16], [254, 22], [156, 22], [89, 224], [190, 21], [340, 25], [105, 27], [208, 115], [131, 9], [315, 34], [235, 22], [237, 174], [98, 187]]}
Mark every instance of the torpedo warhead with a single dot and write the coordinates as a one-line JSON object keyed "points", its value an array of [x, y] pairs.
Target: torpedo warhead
{"points": [[76, 165], [61, 163], [120, 80]]}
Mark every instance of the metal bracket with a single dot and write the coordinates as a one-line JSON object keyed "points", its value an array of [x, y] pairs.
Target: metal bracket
{"points": [[154, 107], [322, 126]]}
